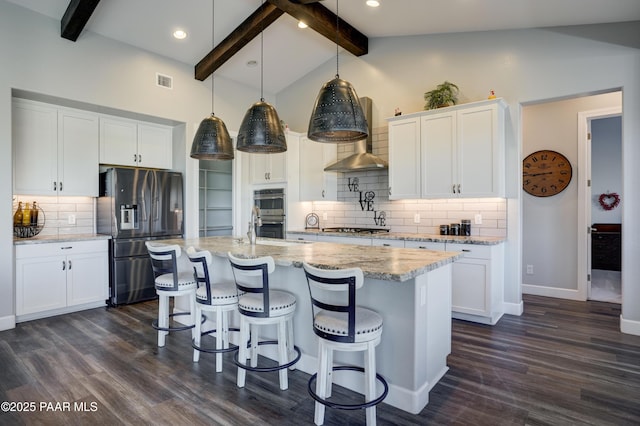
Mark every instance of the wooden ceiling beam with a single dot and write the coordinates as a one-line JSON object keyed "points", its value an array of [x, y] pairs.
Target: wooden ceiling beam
{"points": [[264, 16], [316, 16], [76, 17]]}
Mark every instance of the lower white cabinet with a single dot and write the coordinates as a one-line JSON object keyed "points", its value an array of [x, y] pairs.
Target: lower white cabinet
{"points": [[478, 283], [56, 278], [338, 239]]}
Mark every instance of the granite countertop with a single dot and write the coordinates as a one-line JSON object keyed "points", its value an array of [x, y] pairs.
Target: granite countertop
{"points": [[406, 236], [42, 239], [383, 263]]}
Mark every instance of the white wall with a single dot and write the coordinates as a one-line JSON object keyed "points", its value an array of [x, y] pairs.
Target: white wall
{"points": [[522, 67], [552, 222], [606, 167], [98, 71]]}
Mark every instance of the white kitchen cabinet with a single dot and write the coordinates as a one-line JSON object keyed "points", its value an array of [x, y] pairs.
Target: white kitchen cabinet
{"points": [[55, 150], [315, 183], [339, 239], [126, 142], [268, 168], [302, 236], [56, 278], [478, 283], [425, 245], [450, 152]]}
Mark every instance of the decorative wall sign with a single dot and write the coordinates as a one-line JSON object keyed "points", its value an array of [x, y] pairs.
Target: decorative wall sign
{"points": [[609, 201], [366, 203], [352, 184], [380, 218]]}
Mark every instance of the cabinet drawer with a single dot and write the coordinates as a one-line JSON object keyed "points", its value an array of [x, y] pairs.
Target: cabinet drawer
{"points": [[476, 251], [425, 245], [386, 242], [60, 249]]}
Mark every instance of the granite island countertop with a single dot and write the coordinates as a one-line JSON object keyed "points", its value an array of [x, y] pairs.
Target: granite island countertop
{"points": [[407, 236], [382, 263]]}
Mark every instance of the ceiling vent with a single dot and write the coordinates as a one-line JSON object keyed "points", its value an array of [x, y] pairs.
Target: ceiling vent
{"points": [[164, 81]]}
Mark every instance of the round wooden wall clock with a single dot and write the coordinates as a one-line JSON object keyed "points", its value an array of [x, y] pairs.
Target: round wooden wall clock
{"points": [[545, 173]]}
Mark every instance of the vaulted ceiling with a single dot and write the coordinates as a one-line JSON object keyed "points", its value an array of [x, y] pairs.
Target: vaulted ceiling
{"points": [[290, 52]]}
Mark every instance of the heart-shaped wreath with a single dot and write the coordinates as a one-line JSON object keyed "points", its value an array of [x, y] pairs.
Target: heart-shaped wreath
{"points": [[609, 201]]}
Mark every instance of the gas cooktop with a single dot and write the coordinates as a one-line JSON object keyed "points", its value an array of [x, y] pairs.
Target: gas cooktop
{"points": [[356, 230]]}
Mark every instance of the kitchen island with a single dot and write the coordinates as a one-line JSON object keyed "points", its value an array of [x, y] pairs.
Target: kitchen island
{"points": [[410, 288]]}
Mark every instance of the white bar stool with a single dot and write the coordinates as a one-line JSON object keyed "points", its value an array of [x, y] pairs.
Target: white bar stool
{"points": [[343, 326], [221, 298], [259, 305], [170, 282]]}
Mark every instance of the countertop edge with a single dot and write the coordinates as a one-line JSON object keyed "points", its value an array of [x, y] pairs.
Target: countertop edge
{"points": [[47, 239], [410, 237]]}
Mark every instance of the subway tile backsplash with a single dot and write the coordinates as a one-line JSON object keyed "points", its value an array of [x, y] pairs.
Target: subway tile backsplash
{"points": [[355, 208], [57, 211]]}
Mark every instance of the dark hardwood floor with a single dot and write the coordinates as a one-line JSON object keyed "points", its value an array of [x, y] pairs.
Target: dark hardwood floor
{"points": [[560, 363]]}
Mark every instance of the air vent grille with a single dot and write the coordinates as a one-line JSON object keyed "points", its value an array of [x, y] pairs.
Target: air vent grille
{"points": [[164, 81]]}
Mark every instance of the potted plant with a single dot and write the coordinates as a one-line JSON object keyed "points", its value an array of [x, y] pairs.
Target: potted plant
{"points": [[445, 94]]}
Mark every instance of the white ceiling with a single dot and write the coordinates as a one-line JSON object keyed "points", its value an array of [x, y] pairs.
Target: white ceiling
{"points": [[290, 53]]}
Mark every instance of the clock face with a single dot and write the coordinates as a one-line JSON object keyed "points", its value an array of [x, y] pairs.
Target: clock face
{"points": [[312, 220], [545, 173]]}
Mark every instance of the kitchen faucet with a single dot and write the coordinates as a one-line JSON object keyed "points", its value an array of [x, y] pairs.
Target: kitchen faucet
{"points": [[255, 221]]}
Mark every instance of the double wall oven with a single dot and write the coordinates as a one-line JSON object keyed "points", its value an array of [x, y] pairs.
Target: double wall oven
{"points": [[271, 203]]}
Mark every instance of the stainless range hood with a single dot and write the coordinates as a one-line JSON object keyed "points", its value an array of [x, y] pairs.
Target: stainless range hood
{"points": [[362, 159]]}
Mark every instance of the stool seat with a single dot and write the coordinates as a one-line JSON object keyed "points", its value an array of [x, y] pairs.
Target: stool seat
{"points": [[222, 293], [280, 303], [185, 281], [368, 325]]}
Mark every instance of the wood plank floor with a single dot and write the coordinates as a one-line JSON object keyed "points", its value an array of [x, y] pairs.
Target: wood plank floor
{"points": [[560, 363]]}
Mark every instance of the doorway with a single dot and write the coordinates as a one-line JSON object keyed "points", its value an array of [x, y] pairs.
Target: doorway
{"points": [[605, 153]]}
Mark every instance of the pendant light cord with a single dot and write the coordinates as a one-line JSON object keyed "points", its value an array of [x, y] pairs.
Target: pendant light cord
{"points": [[213, 46], [262, 59], [337, 32]]}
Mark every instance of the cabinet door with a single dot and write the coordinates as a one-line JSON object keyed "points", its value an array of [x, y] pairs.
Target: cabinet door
{"points": [[87, 278], [471, 280], [404, 158], [35, 152], [155, 146], [315, 183], [438, 154], [480, 156], [118, 142], [78, 153], [268, 168], [41, 284]]}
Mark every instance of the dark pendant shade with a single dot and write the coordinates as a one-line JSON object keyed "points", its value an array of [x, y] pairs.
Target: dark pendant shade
{"points": [[212, 141], [261, 131], [337, 115]]}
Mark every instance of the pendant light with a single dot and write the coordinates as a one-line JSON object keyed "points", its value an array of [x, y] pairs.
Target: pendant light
{"points": [[261, 131], [337, 115], [212, 140]]}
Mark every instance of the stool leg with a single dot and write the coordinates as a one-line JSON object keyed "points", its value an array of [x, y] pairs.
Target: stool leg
{"points": [[196, 338], [290, 343], [329, 363], [163, 318], [370, 382], [283, 353], [321, 382], [219, 339], [242, 350], [192, 312], [254, 345]]}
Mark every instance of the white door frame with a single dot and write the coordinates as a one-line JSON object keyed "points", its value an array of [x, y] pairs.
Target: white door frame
{"points": [[584, 194]]}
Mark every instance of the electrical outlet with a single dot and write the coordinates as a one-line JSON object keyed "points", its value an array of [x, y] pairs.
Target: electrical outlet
{"points": [[72, 219], [478, 219], [529, 269], [324, 216], [416, 218]]}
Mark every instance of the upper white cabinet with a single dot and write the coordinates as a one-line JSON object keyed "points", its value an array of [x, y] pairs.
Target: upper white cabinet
{"points": [[126, 142], [55, 150], [315, 183], [450, 152], [268, 168]]}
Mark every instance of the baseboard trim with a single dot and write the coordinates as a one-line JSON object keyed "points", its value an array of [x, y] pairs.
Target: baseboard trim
{"points": [[513, 308], [629, 326], [8, 322], [560, 293]]}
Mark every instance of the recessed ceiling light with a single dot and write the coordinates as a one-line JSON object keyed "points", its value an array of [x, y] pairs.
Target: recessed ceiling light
{"points": [[180, 34], [373, 3], [302, 24], [252, 63]]}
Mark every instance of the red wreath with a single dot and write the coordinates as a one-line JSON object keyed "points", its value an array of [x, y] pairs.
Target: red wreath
{"points": [[609, 201]]}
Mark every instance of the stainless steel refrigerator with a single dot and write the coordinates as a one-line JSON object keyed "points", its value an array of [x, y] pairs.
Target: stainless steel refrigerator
{"points": [[136, 205]]}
